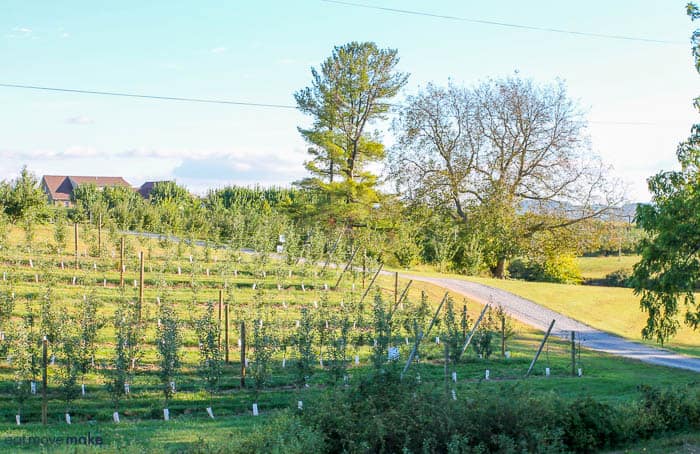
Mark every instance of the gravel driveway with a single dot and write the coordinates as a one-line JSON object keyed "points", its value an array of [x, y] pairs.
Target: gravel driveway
{"points": [[540, 317]]}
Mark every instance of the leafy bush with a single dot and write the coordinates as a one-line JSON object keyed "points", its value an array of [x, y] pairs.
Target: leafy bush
{"points": [[284, 434], [590, 426], [561, 269], [386, 414]]}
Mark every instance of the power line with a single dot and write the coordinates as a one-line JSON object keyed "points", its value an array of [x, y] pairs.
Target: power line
{"points": [[236, 103], [162, 98], [505, 24]]}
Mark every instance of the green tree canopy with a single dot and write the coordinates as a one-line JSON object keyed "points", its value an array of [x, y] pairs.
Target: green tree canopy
{"points": [[349, 93], [507, 158], [669, 270], [22, 198]]}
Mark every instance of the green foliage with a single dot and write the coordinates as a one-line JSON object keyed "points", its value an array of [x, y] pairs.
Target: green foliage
{"points": [[405, 249], [22, 352], [89, 324], [452, 332], [264, 347], [59, 230], [338, 344], [618, 278], [118, 375], [381, 332], [385, 414], [669, 269], [562, 269], [210, 364], [169, 341], [70, 358], [4, 229], [283, 434], [506, 159], [22, 198], [165, 191], [350, 92], [482, 342], [504, 325], [304, 344]]}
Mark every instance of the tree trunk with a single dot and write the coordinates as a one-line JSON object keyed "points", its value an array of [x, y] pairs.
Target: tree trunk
{"points": [[499, 271]]}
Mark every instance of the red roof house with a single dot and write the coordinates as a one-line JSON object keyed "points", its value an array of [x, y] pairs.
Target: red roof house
{"points": [[59, 188]]}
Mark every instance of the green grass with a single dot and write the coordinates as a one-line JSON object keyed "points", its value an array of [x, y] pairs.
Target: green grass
{"points": [[606, 377], [599, 267], [611, 309]]}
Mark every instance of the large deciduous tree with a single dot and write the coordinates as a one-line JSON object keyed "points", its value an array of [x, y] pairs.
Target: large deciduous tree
{"points": [[669, 270], [508, 159], [347, 95]]}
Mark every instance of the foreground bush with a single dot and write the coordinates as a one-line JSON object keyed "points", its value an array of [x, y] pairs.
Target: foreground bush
{"points": [[561, 269], [386, 414]]}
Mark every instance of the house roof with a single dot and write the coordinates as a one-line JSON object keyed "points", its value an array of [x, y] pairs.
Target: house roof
{"points": [[60, 187], [146, 189]]}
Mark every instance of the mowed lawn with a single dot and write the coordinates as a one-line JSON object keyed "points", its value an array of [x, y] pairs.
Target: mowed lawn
{"points": [[599, 267]]}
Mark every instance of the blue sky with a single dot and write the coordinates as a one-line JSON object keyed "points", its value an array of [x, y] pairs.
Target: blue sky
{"points": [[262, 52]]}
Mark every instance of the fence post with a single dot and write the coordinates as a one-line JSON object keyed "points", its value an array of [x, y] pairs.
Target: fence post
{"points": [[396, 288], [121, 262], [226, 331], [371, 283], [221, 302], [243, 354], [573, 353], [75, 228], [99, 236], [44, 381], [539, 350]]}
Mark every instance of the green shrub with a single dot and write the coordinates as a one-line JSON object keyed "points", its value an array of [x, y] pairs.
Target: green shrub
{"points": [[561, 269], [618, 278], [590, 426], [386, 414], [284, 434]]}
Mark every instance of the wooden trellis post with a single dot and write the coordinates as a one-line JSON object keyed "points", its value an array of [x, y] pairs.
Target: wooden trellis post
{"points": [[573, 353], [539, 350], [243, 354], [221, 303], [121, 263], [226, 332], [352, 257], [140, 284], [471, 335], [371, 283], [44, 381], [75, 228], [421, 335], [396, 288], [99, 236]]}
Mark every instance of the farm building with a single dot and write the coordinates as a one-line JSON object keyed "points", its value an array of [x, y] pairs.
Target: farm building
{"points": [[59, 188]]}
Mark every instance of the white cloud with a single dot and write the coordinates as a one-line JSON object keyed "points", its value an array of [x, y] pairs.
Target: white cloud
{"points": [[238, 156], [79, 120], [22, 30], [218, 50], [49, 154]]}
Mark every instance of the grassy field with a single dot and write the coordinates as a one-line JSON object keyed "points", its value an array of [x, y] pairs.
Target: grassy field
{"points": [[612, 309], [599, 267], [279, 296]]}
